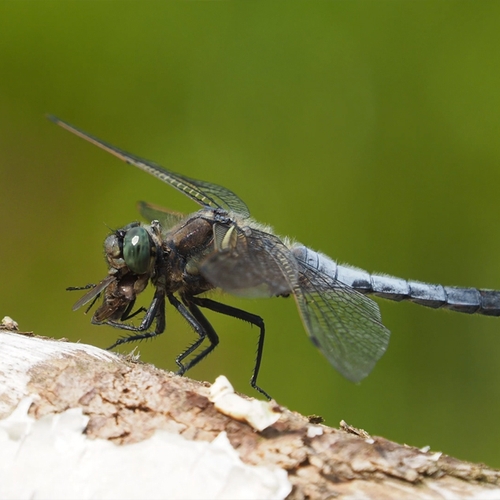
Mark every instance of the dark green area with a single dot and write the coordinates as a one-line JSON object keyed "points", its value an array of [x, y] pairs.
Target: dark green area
{"points": [[367, 130]]}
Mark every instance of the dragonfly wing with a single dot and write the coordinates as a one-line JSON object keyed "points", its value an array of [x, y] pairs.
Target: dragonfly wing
{"points": [[249, 263], [204, 193], [168, 218], [343, 323]]}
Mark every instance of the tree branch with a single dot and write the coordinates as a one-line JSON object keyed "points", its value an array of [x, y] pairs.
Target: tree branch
{"points": [[125, 401]]}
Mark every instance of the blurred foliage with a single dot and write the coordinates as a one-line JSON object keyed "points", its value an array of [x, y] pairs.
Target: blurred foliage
{"points": [[367, 130]]}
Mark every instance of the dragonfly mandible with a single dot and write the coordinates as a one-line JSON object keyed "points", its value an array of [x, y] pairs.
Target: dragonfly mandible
{"points": [[221, 247]]}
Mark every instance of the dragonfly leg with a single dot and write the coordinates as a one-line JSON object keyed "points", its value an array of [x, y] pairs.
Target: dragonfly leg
{"points": [[244, 316], [156, 311], [201, 326]]}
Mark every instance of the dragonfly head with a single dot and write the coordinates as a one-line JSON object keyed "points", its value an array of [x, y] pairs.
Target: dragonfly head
{"points": [[131, 247]]}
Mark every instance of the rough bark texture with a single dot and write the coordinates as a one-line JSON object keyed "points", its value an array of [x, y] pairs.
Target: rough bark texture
{"points": [[127, 401]]}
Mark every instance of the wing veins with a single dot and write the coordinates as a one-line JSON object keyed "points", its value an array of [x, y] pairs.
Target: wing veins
{"points": [[202, 192], [344, 322]]}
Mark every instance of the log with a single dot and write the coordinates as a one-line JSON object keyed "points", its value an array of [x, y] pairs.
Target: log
{"points": [[80, 422]]}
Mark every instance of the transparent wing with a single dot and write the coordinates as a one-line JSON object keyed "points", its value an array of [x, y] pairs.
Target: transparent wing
{"points": [[343, 323], [94, 292], [249, 263], [204, 193], [168, 218]]}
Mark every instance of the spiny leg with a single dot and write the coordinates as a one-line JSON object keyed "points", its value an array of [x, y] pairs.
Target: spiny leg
{"points": [[244, 316], [156, 310], [201, 326]]}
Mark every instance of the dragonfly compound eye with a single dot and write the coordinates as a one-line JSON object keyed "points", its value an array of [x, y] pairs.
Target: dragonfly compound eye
{"points": [[137, 250]]}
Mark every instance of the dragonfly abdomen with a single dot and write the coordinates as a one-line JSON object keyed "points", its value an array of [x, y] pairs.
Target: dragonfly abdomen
{"points": [[465, 300]]}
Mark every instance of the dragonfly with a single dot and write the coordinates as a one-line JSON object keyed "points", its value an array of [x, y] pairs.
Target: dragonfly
{"points": [[221, 247]]}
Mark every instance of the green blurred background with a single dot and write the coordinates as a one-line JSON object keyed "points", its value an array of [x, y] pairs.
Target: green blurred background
{"points": [[367, 130]]}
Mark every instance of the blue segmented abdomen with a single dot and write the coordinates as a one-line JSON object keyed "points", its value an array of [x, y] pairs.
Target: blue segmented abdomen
{"points": [[465, 300]]}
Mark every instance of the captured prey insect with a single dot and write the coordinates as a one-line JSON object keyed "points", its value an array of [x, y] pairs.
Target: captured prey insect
{"points": [[220, 246]]}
